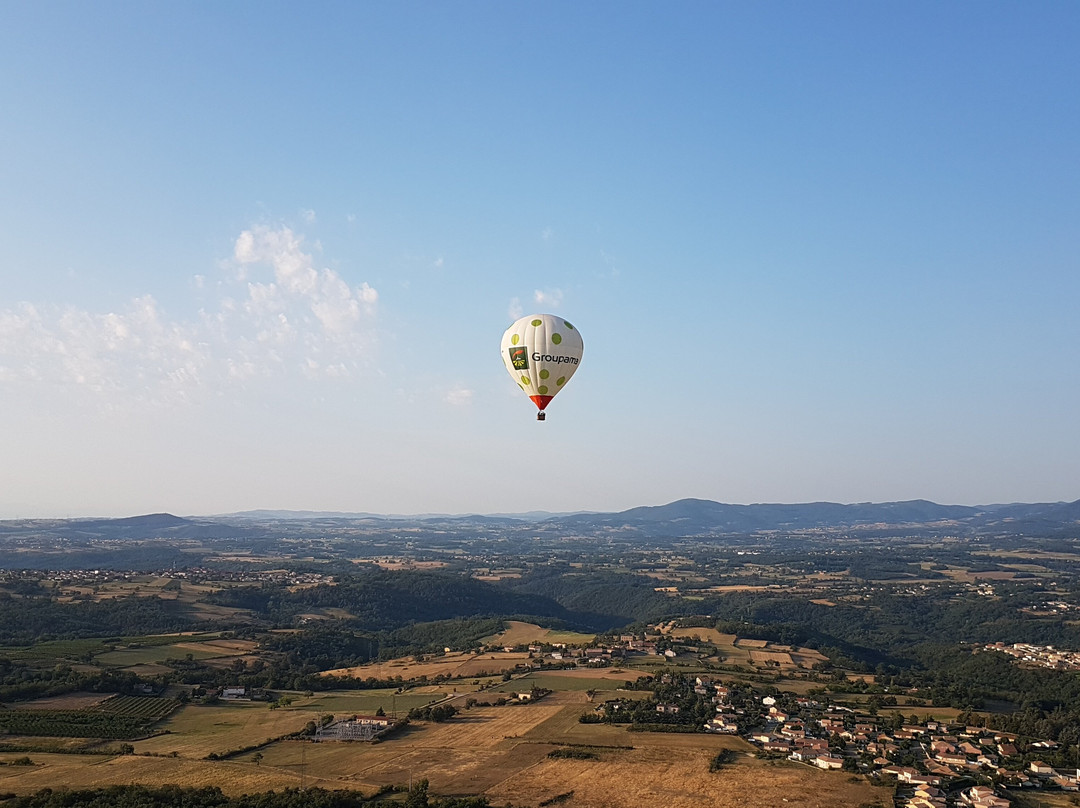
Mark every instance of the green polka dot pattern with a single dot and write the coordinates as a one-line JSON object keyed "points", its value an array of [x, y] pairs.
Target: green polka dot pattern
{"points": [[541, 353]]}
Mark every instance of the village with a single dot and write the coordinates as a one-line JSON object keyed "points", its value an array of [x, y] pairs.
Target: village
{"points": [[932, 763], [930, 760], [1045, 656]]}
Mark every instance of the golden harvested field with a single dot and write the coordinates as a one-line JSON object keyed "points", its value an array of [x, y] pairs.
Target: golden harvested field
{"points": [[500, 752], [491, 663], [96, 771], [807, 657], [780, 657], [454, 664], [739, 651], [710, 635], [519, 633], [473, 752], [650, 776]]}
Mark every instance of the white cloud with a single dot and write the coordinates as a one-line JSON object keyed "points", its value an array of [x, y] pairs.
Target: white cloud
{"points": [[308, 216], [609, 260], [274, 315], [547, 234], [514, 309], [548, 297], [458, 396]]}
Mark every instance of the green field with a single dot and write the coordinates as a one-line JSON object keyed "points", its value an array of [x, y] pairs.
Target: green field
{"points": [[55, 649], [348, 702], [155, 653], [169, 639]]}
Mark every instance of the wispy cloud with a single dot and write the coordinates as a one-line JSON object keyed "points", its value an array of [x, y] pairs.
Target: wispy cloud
{"points": [[551, 298], [514, 309], [458, 396], [610, 262], [271, 313]]}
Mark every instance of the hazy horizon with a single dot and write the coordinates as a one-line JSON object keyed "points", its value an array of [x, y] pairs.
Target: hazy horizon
{"points": [[308, 513]]}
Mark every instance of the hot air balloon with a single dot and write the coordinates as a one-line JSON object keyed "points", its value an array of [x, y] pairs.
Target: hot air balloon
{"points": [[541, 353]]}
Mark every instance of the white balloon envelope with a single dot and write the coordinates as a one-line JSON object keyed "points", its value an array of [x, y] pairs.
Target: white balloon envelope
{"points": [[541, 352]]}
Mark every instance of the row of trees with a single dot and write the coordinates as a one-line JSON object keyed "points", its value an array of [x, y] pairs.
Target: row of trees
{"points": [[212, 797]]}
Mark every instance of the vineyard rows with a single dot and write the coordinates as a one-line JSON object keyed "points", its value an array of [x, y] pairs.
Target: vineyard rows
{"points": [[149, 707], [115, 718]]}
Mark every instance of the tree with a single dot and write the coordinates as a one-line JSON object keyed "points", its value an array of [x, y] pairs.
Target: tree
{"points": [[257, 758], [418, 796]]}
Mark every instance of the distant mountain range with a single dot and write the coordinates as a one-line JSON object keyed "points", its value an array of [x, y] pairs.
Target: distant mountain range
{"points": [[692, 517], [686, 517]]}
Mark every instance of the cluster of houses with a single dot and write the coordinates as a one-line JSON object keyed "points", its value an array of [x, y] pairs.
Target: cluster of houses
{"points": [[90, 577], [926, 757], [280, 576], [1053, 607], [561, 652], [1044, 656]]}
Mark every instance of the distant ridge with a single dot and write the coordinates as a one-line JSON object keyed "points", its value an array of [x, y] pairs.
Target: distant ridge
{"points": [[527, 516], [147, 526], [695, 517], [684, 517], [149, 521]]}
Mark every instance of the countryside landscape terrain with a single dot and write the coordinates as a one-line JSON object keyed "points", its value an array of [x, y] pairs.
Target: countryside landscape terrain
{"points": [[695, 654]]}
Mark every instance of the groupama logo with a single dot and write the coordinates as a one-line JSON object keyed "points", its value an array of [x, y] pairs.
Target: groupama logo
{"points": [[519, 357], [558, 360]]}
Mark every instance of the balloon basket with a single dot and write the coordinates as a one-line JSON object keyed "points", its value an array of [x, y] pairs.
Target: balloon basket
{"points": [[541, 416]]}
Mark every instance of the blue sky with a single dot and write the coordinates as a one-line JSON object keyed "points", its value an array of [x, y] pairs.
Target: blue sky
{"points": [[261, 254]]}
